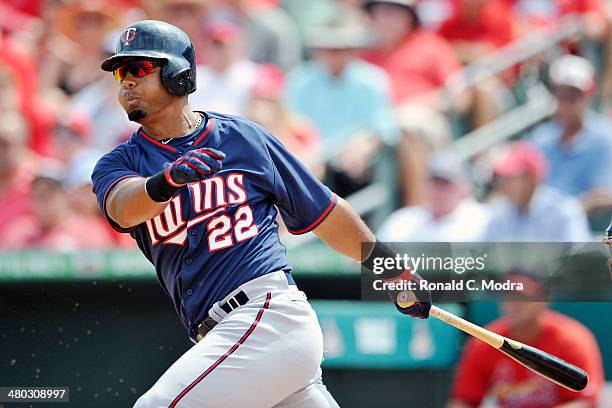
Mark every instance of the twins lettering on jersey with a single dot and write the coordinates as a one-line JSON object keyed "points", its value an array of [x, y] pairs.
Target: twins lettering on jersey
{"points": [[209, 199]]}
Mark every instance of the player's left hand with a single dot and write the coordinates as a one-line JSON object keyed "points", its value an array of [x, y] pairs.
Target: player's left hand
{"points": [[414, 303], [194, 166]]}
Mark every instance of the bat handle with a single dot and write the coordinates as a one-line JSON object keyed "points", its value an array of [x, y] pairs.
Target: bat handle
{"points": [[493, 339]]}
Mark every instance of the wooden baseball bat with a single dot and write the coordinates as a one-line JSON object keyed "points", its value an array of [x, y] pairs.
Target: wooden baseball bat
{"points": [[556, 370]]}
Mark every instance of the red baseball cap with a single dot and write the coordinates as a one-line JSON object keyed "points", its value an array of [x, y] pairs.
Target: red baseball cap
{"points": [[222, 31], [522, 158], [270, 82]]}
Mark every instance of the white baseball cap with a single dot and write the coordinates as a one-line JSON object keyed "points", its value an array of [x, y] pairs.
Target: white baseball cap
{"points": [[574, 71]]}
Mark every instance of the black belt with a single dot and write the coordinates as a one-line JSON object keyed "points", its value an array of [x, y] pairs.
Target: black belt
{"points": [[230, 304]]}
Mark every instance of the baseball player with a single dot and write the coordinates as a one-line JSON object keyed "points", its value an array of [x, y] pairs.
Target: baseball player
{"points": [[200, 193]]}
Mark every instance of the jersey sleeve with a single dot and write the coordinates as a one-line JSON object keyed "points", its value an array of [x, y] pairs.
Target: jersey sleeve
{"points": [[303, 201], [111, 169]]}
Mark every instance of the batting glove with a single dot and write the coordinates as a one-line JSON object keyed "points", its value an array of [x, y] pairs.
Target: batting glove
{"points": [[194, 166], [191, 167], [414, 303]]}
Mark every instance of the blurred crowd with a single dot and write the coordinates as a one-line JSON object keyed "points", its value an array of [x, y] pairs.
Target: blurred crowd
{"points": [[341, 83]]}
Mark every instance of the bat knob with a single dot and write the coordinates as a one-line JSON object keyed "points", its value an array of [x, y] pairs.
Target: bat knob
{"points": [[405, 299]]}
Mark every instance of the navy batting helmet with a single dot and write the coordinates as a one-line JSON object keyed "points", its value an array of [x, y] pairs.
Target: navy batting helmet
{"points": [[161, 41]]}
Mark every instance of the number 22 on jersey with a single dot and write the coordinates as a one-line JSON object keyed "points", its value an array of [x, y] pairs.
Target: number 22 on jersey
{"points": [[224, 230]]}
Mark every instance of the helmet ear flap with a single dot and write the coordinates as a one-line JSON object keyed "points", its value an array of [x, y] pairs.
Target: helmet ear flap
{"points": [[183, 82], [178, 83]]}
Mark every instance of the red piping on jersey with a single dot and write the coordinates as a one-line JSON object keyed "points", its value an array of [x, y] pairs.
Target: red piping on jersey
{"points": [[206, 131], [158, 143], [209, 126], [224, 356], [319, 220]]}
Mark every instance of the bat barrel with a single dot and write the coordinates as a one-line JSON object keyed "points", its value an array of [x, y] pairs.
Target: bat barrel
{"points": [[556, 370]]}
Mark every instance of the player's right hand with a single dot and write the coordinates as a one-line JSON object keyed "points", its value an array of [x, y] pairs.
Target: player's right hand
{"points": [[194, 166]]}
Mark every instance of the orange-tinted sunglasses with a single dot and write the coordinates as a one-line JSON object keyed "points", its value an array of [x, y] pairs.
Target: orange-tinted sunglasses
{"points": [[138, 69]]}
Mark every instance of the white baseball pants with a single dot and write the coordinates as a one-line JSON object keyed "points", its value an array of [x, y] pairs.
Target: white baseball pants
{"points": [[263, 354]]}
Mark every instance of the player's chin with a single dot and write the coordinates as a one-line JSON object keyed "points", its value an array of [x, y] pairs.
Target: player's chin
{"points": [[137, 114]]}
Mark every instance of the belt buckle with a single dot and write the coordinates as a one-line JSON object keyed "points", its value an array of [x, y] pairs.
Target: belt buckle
{"points": [[205, 327], [229, 302]]}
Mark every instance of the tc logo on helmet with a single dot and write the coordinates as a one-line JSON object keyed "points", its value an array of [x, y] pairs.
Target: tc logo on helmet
{"points": [[128, 35]]}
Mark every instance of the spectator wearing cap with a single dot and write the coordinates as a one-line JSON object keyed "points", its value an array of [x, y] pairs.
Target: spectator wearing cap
{"points": [[485, 374], [577, 142], [227, 77], [450, 213], [418, 62], [346, 99], [526, 210], [267, 109]]}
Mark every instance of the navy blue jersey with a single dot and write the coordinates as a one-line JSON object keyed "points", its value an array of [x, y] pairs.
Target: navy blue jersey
{"points": [[221, 232]]}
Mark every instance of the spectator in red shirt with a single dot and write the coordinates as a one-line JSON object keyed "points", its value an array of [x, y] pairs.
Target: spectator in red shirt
{"points": [[532, 14], [486, 373], [18, 83], [477, 27], [418, 62], [15, 171]]}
